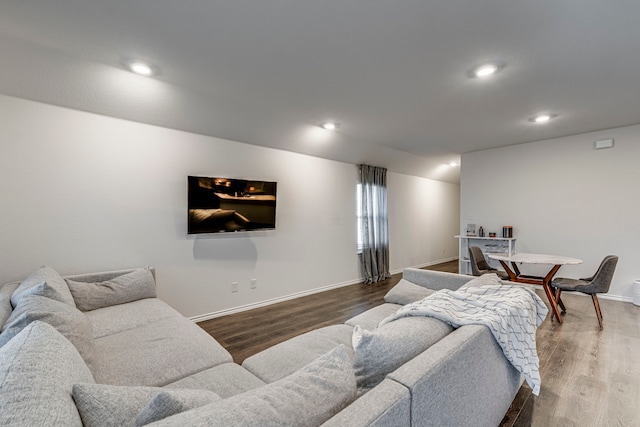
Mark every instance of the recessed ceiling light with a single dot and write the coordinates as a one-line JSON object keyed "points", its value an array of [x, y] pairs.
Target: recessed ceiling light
{"points": [[453, 164], [542, 118], [486, 70], [141, 68], [329, 125]]}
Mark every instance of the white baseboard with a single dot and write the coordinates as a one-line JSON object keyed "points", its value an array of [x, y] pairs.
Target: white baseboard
{"points": [[246, 307], [608, 296], [264, 303], [613, 297]]}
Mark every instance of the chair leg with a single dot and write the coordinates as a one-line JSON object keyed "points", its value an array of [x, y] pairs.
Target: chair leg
{"points": [[559, 301], [596, 304]]}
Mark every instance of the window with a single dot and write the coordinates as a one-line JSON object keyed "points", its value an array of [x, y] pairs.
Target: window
{"points": [[373, 240], [377, 214]]}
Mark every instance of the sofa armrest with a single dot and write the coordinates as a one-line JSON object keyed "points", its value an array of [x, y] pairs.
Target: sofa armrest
{"points": [[435, 279], [462, 380], [386, 405]]}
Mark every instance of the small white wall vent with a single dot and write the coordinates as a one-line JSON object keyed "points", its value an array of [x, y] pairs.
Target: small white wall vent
{"points": [[603, 143]]}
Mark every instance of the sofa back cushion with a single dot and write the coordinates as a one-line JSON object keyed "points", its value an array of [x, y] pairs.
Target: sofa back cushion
{"points": [[67, 320], [38, 368], [406, 292], [308, 397], [135, 285], [433, 279], [45, 282], [391, 345], [108, 405], [491, 279], [170, 402]]}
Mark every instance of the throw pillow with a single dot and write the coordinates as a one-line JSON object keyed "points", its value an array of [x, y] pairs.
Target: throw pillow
{"points": [[391, 345], [45, 282], [169, 402], [308, 397], [133, 286], [38, 368], [406, 292], [484, 280], [67, 320], [118, 406], [5, 301]]}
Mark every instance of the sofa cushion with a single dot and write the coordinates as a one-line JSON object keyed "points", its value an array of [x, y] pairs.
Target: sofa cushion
{"points": [[388, 347], [38, 368], [157, 354], [133, 286], [307, 397], [287, 357], [170, 402], [45, 282], [5, 301], [103, 276], [484, 280], [117, 318], [370, 318], [435, 279], [225, 380], [118, 406], [406, 292], [67, 320]]}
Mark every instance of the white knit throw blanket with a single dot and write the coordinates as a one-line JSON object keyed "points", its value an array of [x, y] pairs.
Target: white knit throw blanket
{"points": [[511, 312]]}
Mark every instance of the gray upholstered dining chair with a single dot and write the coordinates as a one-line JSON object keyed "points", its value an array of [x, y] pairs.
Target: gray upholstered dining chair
{"points": [[597, 284], [479, 265]]}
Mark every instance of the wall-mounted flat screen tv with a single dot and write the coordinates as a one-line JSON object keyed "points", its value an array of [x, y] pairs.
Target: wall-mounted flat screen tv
{"points": [[218, 205]]}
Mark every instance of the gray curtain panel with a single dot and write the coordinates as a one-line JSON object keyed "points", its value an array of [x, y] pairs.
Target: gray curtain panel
{"points": [[373, 229]]}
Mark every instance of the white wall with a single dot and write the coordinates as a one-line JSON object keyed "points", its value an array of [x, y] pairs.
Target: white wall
{"points": [[83, 192], [423, 218], [564, 198]]}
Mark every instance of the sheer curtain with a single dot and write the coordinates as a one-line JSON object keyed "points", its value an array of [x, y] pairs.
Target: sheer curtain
{"points": [[373, 235]]}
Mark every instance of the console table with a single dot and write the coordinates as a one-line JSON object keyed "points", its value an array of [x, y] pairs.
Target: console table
{"points": [[488, 245]]}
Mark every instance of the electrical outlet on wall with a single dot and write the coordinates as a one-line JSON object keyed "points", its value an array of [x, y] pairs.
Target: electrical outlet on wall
{"points": [[254, 283], [234, 286]]}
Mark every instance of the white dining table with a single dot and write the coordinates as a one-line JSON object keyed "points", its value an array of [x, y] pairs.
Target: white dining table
{"points": [[510, 265]]}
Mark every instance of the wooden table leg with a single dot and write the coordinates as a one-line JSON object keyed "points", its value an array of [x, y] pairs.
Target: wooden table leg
{"points": [[512, 275], [515, 276], [546, 284], [516, 270], [559, 301]]}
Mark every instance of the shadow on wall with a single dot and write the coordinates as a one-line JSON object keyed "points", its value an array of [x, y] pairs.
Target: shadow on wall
{"points": [[237, 248]]}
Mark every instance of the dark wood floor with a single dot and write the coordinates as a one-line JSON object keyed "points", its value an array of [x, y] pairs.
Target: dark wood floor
{"points": [[589, 377]]}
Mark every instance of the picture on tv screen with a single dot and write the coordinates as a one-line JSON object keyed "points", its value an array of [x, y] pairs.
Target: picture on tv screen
{"points": [[218, 205]]}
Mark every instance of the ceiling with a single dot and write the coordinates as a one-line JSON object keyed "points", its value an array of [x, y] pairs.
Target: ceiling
{"points": [[393, 74]]}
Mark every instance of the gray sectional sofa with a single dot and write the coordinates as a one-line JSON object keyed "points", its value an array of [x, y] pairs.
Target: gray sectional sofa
{"points": [[100, 349]]}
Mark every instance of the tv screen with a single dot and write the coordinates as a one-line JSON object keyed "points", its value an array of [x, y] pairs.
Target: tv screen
{"points": [[218, 205]]}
